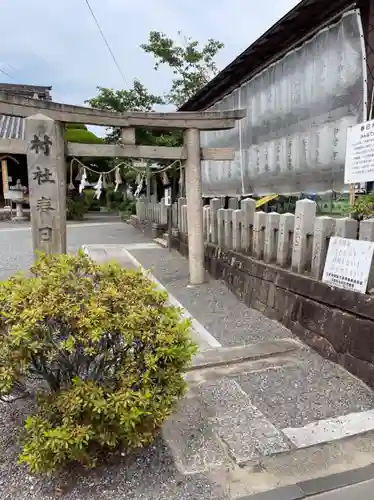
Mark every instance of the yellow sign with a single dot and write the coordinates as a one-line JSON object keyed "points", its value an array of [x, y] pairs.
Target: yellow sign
{"points": [[266, 199]]}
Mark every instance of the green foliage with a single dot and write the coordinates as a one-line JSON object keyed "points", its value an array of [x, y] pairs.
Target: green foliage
{"points": [[135, 99], [192, 65], [76, 126], [114, 199], [91, 202], [82, 136], [127, 208], [106, 345], [76, 208], [363, 207]]}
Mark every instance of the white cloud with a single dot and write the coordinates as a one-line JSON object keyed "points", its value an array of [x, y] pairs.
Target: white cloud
{"points": [[59, 44]]}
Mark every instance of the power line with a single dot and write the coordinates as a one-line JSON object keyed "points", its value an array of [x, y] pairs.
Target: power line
{"points": [[8, 75], [105, 40]]}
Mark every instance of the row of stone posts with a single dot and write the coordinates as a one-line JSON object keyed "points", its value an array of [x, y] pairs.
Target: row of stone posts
{"points": [[296, 241]]}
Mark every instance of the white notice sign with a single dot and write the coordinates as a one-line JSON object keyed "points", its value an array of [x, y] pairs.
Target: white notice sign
{"points": [[348, 264], [359, 156], [167, 196]]}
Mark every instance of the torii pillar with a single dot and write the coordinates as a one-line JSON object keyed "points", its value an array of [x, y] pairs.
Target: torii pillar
{"points": [[194, 197]]}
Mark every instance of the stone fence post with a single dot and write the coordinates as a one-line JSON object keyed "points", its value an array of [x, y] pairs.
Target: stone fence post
{"points": [[271, 237], [305, 215], [285, 237], [249, 209], [215, 205], [324, 228]]}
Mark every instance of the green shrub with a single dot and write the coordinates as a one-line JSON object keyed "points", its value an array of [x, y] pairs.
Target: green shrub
{"points": [[114, 199], [82, 135], [76, 208], [108, 348], [127, 208], [91, 202], [363, 207]]}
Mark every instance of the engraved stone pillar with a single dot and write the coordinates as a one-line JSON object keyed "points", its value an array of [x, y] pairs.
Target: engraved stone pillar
{"points": [[367, 230], [259, 234], [271, 237], [206, 222], [228, 228], [184, 220], [215, 205], [221, 227], [346, 228], [164, 212], [305, 215], [181, 201], [324, 228], [195, 207], [286, 227], [47, 183], [249, 209], [174, 216], [127, 135], [237, 221]]}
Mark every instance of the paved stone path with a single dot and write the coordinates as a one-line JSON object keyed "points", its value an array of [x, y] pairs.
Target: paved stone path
{"points": [[259, 417]]}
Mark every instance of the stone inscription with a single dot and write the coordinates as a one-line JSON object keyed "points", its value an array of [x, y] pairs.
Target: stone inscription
{"points": [[47, 183], [44, 205], [41, 176], [41, 145]]}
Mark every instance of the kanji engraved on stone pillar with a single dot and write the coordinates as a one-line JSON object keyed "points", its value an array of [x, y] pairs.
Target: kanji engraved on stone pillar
{"points": [[47, 183]]}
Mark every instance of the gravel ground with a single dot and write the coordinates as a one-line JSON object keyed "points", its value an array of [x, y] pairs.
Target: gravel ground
{"points": [[148, 475], [313, 389], [230, 321]]}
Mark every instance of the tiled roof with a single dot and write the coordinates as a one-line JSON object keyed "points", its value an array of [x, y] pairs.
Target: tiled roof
{"points": [[12, 127]]}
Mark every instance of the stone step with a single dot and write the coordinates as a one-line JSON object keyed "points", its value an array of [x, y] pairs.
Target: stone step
{"points": [[239, 354], [254, 410], [216, 426], [247, 433]]}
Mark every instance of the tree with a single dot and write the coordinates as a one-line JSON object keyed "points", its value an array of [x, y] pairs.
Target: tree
{"points": [[194, 66], [136, 98]]}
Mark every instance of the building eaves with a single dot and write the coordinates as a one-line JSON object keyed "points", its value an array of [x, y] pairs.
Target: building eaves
{"points": [[286, 33]]}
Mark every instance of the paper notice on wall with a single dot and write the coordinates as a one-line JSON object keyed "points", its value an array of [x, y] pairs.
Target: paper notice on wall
{"points": [[348, 264], [359, 158]]}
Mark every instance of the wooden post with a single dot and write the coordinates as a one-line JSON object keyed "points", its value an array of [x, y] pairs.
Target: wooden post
{"points": [[194, 207], [47, 183], [352, 196], [4, 174]]}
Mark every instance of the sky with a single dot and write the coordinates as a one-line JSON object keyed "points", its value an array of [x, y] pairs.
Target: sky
{"points": [[58, 43]]}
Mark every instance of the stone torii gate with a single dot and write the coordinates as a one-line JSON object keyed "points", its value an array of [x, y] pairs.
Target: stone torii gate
{"points": [[46, 153]]}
